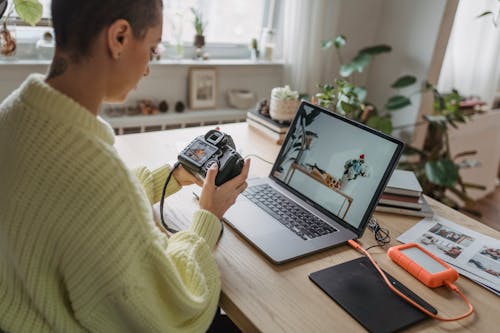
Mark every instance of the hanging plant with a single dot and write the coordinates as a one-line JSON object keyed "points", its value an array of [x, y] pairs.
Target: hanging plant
{"points": [[30, 11]]}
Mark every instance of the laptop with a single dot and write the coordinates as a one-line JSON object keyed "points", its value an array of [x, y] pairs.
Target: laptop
{"points": [[322, 189]]}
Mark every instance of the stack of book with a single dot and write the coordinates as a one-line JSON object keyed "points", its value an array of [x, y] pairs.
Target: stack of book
{"points": [[266, 125], [403, 195]]}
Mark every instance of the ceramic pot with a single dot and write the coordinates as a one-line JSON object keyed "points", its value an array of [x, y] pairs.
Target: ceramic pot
{"points": [[199, 41]]}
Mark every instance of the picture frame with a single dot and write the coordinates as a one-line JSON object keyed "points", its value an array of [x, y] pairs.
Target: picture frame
{"points": [[202, 86]]}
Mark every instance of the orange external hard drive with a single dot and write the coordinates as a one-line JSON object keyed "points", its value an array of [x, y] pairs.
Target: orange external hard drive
{"points": [[423, 265]]}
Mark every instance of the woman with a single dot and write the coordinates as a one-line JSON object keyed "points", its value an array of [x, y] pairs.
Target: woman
{"points": [[79, 249]]}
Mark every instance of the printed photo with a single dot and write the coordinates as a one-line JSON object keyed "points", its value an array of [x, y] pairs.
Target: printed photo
{"points": [[488, 266], [202, 88], [435, 243], [451, 235], [491, 253]]}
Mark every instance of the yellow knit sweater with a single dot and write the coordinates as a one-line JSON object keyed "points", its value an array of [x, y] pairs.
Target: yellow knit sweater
{"points": [[79, 249]]}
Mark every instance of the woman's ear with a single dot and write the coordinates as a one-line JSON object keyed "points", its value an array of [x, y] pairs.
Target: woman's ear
{"points": [[118, 36]]}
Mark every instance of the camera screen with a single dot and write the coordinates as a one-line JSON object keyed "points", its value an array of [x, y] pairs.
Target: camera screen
{"points": [[199, 152]]}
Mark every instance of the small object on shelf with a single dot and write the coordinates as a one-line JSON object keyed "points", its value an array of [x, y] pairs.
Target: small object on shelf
{"points": [[163, 106], [179, 107], [284, 103], [263, 108], [241, 99], [147, 107], [254, 50]]}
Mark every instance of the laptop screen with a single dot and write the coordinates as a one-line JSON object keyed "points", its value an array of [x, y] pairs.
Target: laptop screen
{"points": [[338, 165]]}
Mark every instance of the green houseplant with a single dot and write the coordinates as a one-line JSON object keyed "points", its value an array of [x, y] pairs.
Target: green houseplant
{"points": [[349, 99], [435, 167], [29, 11], [199, 27]]}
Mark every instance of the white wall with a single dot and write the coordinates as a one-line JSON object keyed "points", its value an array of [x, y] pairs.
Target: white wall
{"points": [[410, 27], [170, 81]]}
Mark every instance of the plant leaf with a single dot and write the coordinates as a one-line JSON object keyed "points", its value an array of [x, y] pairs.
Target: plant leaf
{"points": [[442, 172], [346, 70], [404, 81], [397, 102], [346, 107], [340, 41], [489, 12], [326, 44], [361, 93], [30, 11], [361, 61], [383, 124], [377, 49]]}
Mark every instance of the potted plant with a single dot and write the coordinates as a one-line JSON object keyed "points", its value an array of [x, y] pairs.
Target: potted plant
{"points": [[284, 103], [29, 11], [199, 27]]}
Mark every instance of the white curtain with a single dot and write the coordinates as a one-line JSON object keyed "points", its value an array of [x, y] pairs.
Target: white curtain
{"points": [[472, 60], [306, 24]]}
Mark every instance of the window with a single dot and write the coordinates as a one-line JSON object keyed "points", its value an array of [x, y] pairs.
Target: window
{"points": [[229, 26], [227, 21]]}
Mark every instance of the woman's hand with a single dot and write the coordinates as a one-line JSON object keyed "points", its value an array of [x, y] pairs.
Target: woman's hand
{"points": [[184, 177], [218, 199]]}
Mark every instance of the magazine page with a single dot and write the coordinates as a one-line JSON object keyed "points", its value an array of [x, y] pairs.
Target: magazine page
{"points": [[476, 256]]}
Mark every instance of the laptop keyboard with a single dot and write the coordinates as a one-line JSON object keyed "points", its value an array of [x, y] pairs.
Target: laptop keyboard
{"points": [[297, 219]]}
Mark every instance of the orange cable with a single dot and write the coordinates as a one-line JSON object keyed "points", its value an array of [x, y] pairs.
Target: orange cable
{"points": [[450, 285]]}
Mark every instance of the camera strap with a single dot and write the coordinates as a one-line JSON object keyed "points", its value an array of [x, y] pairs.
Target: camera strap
{"points": [[163, 223]]}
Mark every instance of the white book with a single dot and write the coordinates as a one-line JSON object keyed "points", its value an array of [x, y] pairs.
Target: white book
{"points": [[426, 210], [276, 137], [404, 183]]}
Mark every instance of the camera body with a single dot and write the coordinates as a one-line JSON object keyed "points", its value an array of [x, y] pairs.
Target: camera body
{"points": [[213, 147]]}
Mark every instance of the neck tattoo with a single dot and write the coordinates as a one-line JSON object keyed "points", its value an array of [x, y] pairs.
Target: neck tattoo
{"points": [[58, 67]]}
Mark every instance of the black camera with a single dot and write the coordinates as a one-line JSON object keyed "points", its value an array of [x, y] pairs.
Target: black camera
{"points": [[213, 147]]}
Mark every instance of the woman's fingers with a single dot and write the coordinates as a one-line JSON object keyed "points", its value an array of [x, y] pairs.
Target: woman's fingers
{"points": [[210, 177], [241, 178]]}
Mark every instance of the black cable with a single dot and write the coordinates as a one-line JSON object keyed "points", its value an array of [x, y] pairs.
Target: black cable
{"points": [[163, 223], [260, 158], [381, 234]]}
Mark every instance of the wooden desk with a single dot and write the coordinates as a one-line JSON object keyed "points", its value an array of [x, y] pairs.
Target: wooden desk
{"points": [[261, 297]]}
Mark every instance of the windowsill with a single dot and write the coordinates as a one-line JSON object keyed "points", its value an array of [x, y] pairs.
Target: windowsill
{"points": [[164, 62]]}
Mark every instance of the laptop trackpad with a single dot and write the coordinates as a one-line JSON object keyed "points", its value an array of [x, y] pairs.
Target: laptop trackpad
{"points": [[250, 219]]}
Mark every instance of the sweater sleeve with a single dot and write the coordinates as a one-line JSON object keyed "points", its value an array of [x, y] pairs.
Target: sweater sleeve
{"points": [[153, 182]]}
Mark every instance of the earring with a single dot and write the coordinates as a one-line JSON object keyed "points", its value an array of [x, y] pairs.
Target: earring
{"points": [[118, 55]]}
